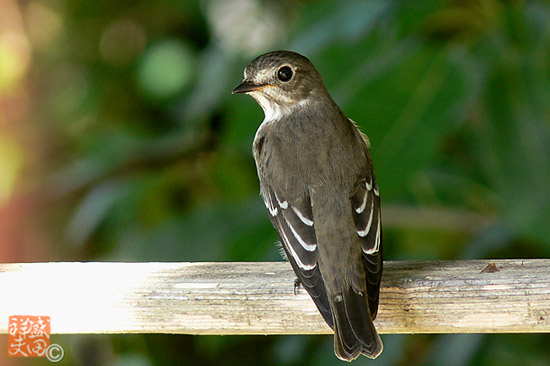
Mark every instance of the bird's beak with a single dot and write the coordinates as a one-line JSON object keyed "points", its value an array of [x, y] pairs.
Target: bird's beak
{"points": [[247, 86]]}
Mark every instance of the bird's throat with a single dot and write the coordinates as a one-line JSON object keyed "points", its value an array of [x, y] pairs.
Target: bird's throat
{"points": [[276, 110]]}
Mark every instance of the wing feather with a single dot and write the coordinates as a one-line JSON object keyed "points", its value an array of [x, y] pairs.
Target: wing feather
{"points": [[367, 218], [295, 225]]}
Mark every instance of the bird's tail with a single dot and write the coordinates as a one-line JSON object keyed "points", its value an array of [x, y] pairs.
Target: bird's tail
{"points": [[354, 332]]}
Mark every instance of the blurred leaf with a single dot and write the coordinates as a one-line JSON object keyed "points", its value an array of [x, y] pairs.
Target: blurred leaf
{"points": [[92, 212], [205, 234], [515, 147], [346, 21], [456, 349], [516, 349], [407, 109]]}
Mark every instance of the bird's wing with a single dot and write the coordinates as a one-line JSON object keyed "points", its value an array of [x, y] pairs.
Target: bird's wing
{"points": [[367, 217], [294, 223]]}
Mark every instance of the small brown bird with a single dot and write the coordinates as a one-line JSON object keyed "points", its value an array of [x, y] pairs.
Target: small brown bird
{"points": [[317, 181]]}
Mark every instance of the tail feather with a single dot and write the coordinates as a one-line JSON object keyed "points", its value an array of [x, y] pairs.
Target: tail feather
{"points": [[354, 332]]}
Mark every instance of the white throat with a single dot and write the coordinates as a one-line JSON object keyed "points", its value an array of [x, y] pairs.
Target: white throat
{"points": [[274, 111]]}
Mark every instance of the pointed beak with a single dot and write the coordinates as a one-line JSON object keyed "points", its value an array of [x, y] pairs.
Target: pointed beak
{"points": [[246, 87]]}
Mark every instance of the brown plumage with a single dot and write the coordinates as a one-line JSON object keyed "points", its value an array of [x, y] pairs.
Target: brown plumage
{"points": [[318, 184]]}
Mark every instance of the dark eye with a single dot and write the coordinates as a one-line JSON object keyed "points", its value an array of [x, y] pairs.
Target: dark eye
{"points": [[284, 73]]}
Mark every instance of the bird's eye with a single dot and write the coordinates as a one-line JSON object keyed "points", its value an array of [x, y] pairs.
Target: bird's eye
{"points": [[284, 74]]}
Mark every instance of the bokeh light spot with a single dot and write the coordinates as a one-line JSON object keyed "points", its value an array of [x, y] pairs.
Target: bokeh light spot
{"points": [[44, 25], [14, 59], [244, 26], [166, 68], [122, 42]]}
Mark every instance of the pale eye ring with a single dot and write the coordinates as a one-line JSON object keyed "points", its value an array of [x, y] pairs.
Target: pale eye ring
{"points": [[284, 74]]}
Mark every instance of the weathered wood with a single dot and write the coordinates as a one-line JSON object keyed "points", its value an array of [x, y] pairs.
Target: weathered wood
{"points": [[258, 298]]}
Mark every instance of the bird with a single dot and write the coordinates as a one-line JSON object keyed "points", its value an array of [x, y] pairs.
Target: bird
{"points": [[318, 184]]}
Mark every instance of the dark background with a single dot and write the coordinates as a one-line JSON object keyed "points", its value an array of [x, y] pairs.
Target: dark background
{"points": [[120, 141]]}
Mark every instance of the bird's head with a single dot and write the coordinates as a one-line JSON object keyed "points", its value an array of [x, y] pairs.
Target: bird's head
{"points": [[280, 81]]}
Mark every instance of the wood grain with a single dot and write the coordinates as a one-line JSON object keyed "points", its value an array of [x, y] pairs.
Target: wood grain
{"points": [[258, 298]]}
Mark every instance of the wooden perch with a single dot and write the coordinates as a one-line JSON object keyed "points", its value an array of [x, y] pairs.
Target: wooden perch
{"points": [[474, 296]]}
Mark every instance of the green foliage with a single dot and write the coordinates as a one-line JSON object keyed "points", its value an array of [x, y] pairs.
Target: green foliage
{"points": [[148, 157]]}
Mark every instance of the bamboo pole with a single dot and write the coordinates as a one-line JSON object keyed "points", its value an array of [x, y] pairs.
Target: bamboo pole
{"points": [[471, 296]]}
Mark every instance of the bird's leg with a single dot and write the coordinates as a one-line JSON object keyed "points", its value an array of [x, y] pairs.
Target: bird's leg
{"points": [[297, 285]]}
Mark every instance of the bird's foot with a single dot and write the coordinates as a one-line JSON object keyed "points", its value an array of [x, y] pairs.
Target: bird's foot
{"points": [[297, 285]]}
